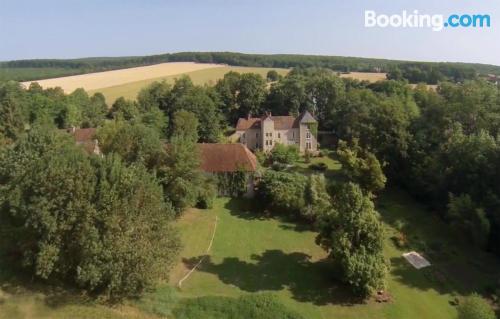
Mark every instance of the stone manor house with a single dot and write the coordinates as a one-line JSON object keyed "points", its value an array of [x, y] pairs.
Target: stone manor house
{"points": [[262, 133]]}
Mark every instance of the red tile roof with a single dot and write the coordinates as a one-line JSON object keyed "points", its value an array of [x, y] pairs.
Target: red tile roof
{"points": [[226, 158], [280, 123], [246, 123], [86, 138], [82, 135]]}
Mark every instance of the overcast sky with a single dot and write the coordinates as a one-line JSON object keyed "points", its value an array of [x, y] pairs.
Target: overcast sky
{"points": [[83, 28]]}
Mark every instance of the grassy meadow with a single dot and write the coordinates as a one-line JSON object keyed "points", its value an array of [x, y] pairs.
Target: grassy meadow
{"points": [[257, 254]]}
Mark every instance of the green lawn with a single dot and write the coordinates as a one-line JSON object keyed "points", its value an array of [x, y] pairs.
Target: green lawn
{"points": [[207, 76], [253, 254]]}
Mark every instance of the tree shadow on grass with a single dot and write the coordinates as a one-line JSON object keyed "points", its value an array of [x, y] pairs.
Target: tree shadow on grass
{"points": [[456, 267], [16, 281], [275, 270], [248, 209]]}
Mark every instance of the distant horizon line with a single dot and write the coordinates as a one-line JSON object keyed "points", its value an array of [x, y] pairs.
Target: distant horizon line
{"points": [[245, 53]]}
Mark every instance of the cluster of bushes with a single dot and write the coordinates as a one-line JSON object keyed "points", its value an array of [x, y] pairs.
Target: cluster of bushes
{"points": [[284, 154], [349, 226], [475, 307], [293, 194]]}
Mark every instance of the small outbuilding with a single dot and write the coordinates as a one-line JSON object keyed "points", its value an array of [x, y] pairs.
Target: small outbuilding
{"points": [[224, 161]]}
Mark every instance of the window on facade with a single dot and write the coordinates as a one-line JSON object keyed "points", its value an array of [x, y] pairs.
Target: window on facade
{"points": [[308, 134], [243, 135], [256, 134], [308, 146], [271, 142], [279, 135], [293, 134]]}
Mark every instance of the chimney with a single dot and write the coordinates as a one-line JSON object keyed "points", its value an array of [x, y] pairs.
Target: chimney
{"points": [[73, 129], [249, 115]]}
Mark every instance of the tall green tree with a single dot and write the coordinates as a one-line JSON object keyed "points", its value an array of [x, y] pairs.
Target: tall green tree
{"points": [[123, 109], [13, 113], [251, 94], [198, 102], [180, 173], [95, 112], [353, 236], [361, 167], [272, 75], [134, 143]]}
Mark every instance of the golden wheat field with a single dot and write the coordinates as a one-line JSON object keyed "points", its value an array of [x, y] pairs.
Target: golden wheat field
{"points": [[200, 77], [99, 80], [365, 76]]}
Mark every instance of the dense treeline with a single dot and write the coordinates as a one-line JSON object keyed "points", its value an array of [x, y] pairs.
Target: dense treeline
{"points": [[429, 72]]}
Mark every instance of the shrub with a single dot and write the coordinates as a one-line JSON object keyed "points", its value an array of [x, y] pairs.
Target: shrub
{"points": [[319, 166], [255, 306], [294, 194], [207, 194], [285, 154], [283, 191], [475, 307], [272, 76], [262, 157]]}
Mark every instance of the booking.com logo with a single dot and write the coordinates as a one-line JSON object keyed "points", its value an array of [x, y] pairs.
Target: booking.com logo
{"points": [[416, 20]]}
